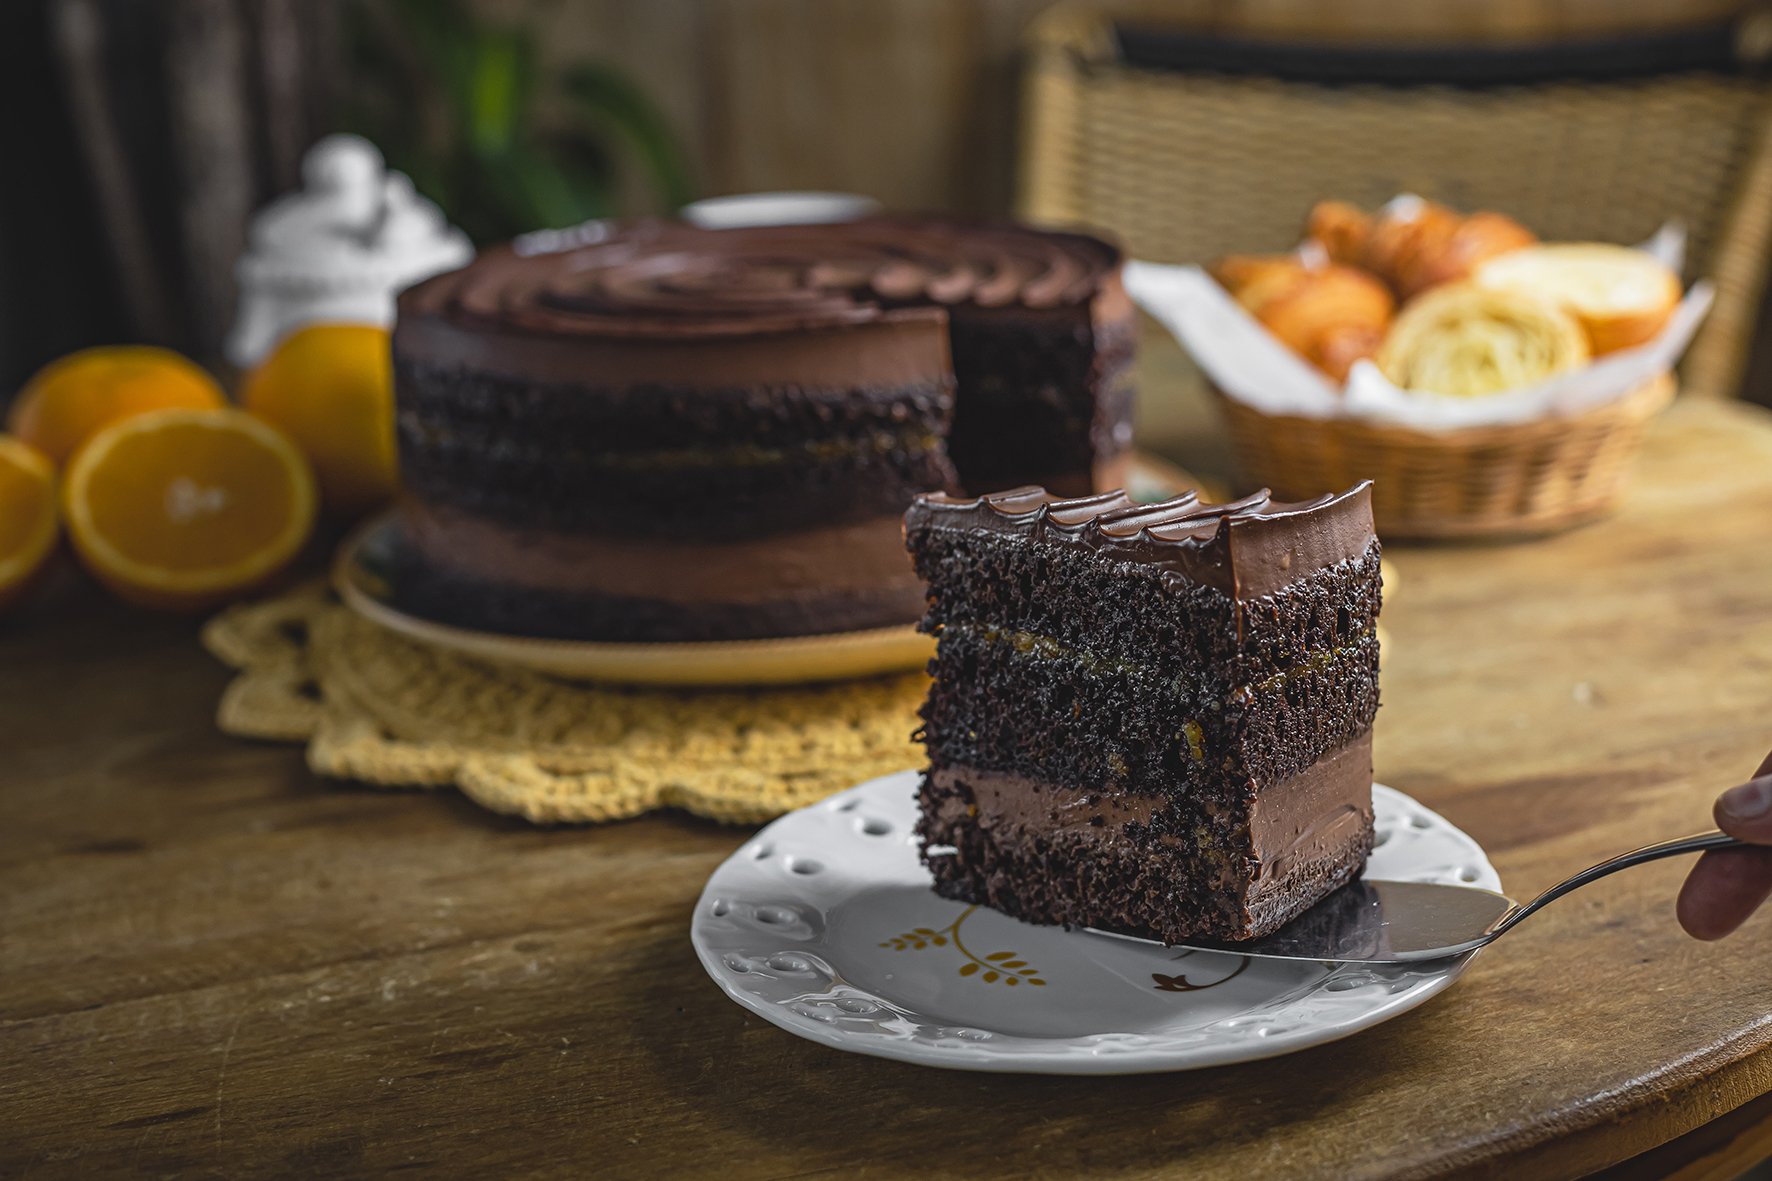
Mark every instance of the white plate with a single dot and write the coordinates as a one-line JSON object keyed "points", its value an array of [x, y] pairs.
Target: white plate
{"points": [[825, 924]]}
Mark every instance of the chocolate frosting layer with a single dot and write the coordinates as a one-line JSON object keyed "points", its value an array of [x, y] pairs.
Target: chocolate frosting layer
{"points": [[667, 279], [1245, 548]]}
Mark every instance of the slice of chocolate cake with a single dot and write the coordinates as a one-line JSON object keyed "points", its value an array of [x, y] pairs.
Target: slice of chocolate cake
{"points": [[1152, 719]]}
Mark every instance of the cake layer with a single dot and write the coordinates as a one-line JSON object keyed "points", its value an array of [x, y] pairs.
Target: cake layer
{"points": [[906, 347], [847, 558], [1120, 724], [734, 597], [645, 418], [1145, 864], [676, 463], [1215, 643]]}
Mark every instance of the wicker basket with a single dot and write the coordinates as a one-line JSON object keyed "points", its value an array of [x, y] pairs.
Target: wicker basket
{"points": [[1493, 481], [1186, 165]]}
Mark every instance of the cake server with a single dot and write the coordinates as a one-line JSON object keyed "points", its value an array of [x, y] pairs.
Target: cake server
{"points": [[1373, 922]]}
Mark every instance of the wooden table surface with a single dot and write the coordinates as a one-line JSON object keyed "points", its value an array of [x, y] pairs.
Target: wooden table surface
{"points": [[211, 962]]}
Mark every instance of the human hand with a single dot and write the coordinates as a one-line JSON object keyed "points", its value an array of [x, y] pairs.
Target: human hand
{"points": [[1727, 885]]}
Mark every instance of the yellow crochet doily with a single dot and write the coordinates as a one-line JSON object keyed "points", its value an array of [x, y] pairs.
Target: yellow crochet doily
{"points": [[386, 711]]}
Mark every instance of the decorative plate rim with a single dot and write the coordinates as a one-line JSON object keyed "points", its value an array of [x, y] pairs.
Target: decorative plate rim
{"points": [[851, 1017]]}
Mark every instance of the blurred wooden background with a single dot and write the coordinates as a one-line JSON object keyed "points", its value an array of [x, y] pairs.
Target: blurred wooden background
{"points": [[911, 101], [914, 101]]}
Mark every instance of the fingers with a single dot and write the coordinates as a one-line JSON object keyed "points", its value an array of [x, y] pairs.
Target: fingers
{"points": [[1745, 812], [1728, 885], [1724, 888]]}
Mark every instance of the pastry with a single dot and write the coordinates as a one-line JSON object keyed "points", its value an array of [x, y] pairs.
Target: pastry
{"points": [[1330, 315], [1341, 229], [1467, 341], [1153, 719], [647, 431], [1620, 296], [1414, 245]]}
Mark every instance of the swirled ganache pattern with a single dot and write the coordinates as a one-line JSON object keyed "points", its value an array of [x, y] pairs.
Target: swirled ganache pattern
{"points": [[654, 384], [1148, 718], [657, 278]]}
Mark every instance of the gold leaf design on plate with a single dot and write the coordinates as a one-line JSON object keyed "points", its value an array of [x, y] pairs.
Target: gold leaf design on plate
{"points": [[1005, 967]]}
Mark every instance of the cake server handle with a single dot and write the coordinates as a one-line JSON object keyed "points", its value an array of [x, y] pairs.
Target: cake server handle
{"points": [[1697, 843]]}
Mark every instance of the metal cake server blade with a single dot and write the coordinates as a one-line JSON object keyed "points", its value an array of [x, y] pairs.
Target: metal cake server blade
{"points": [[1375, 922]]}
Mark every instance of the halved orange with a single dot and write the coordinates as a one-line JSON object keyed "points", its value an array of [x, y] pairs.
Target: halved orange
{"points": [[188, 508], [70, 400], [27, 516]]}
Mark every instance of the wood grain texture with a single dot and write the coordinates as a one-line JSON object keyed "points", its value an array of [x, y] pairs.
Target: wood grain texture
{"points": [[1723, 1150], [212, 962]]}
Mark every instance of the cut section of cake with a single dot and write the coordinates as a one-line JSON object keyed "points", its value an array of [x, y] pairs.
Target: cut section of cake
{"points": [[1152, 719]]}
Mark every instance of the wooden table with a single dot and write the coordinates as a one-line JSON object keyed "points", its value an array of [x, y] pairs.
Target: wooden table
{"points": [[212, 962]]}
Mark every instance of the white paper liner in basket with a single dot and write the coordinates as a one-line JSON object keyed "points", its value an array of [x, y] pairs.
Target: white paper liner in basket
{"points": [[1249, 364]]}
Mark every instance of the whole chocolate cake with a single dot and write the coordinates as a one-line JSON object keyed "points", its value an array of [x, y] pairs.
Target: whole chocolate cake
{"points": [[1152, 719], [649, 431]]}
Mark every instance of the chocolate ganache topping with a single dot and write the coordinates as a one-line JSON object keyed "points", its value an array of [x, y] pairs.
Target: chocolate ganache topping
{"points": [[1245, 548], [660, 278]]}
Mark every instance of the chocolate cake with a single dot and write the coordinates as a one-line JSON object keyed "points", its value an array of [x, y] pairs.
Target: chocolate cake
{"points": [[650, 431], [1151, 719]]}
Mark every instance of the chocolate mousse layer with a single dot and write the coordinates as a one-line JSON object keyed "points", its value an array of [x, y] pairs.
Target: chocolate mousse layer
{"points": [[1049, 853], [614, 589]]}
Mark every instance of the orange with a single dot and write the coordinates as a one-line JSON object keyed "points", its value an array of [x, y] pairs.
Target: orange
{"points": [[70, 400], [331, 386], [27, 516], [187, 508]]}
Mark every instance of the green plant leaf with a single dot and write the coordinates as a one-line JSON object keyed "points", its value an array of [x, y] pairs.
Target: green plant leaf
{"points": [[461, 105], [607, 99], [500, 84]]}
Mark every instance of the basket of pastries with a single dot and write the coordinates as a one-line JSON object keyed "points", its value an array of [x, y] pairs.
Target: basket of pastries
{"points": [[1487, 383]]}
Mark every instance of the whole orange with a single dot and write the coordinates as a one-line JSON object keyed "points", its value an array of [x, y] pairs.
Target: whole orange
{"points": [[331, 388], [70, 400]]}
